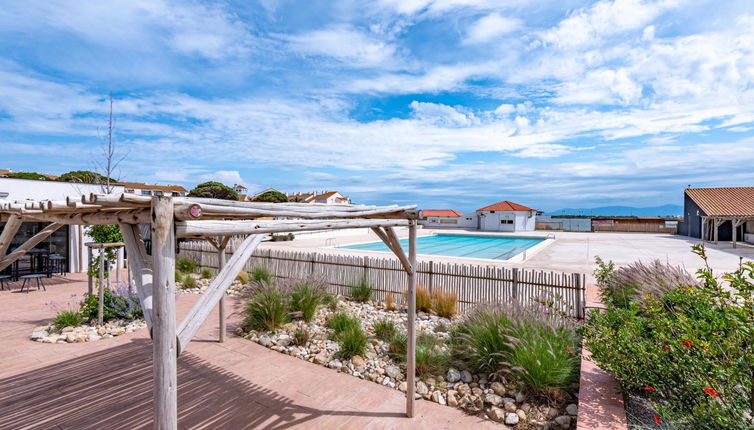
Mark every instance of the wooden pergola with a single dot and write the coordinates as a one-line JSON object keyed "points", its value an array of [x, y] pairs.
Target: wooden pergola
{"points": [[215, 221], [711, 226]]}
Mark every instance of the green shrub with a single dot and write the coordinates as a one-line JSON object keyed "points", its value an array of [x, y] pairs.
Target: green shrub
{"points": [[267, 308], [385, 330], [536, 348], [243, 277], [188, 281], [361, 291], [691, 346], [206, 274], [301, 336], [117, 303], [620, 287], [432, 355], [444, 303], [68, 319], [353, 341], [423, 299], [261, 274], [306, 297], [340, 323], [330, 300], [185, 265]]}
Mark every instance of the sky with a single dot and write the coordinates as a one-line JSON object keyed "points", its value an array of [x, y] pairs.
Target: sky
{"points": [[443, 103]]}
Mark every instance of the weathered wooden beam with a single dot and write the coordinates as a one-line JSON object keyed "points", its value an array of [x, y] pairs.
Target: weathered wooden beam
{"points": [[226, 228], [195, 211], [131, 216], [398, 250], [9, 232], [164, 346], [411, 329], [29, 244], [216, 290], [101, 287], [140, 266], [223, 322]]}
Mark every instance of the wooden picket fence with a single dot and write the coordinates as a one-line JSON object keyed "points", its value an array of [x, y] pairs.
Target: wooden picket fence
{"points": [[471, 283]]}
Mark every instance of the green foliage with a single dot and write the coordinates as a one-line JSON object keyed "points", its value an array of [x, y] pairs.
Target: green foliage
{"points": [[243, 277], [692, 345], [261, 273], [68, 319], [330, 300], [361, 291], [103, 234], [301, 336], [432, 354], [206, 274], [27, 175], [306, 296], [118, 304], [340, 323], [186, 265], [528, 344], [84, 177], [271, 196], [385, 329], [214, 190], [267, 308], [636, 281], [353, 341], [188, 281]]}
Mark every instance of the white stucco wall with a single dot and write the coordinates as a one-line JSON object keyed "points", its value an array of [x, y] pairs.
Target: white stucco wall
{"points": [[493, 221], [465, 221], [28, 189]]}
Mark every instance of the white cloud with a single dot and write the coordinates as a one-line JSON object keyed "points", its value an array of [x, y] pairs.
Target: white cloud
{"points": [[491, 27], [227, 177], [442, 115], [345, 44]]}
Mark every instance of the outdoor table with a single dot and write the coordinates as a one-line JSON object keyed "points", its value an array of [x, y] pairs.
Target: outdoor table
{"points": [[37, 276]]}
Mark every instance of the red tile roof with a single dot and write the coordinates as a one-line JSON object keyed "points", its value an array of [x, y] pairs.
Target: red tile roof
{"points": [[505, 205], [724, 201], [141, 186], [440, 212]]}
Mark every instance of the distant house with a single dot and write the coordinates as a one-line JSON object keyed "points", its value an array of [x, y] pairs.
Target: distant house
{"points": [[447, 218], [301, 197], [506, 216], [713, 214], [152, 189], [240, 189], [331, 198]]}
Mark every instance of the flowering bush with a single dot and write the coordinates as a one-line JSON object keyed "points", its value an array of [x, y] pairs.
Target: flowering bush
{"points": [[118, 303], [690, 348]]}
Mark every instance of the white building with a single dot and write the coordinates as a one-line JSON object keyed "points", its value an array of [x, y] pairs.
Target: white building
{"points": [[447, 218], [325, 197], [506, 216], [153, 189], [68, 241]]}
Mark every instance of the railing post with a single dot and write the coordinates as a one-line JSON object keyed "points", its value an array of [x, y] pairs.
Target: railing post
{"points": [[431, 273], [514, 284]]}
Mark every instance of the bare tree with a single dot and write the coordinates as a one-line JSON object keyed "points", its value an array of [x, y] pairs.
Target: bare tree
{"points": [[110, 162]]}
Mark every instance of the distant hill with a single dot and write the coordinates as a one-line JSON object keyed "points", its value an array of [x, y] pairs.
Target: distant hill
{"points": [[664, 210]]}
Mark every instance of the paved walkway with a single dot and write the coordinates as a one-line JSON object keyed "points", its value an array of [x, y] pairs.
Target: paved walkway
{"points": [[234, 385]]}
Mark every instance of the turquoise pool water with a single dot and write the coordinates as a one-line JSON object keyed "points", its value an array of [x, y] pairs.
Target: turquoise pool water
{"points": [[490, 247]]}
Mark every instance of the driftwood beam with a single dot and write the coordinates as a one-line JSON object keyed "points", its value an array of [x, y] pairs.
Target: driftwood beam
{"points": [[9, 232], [411, 329], [398, 250], [141, 268], [131, 216], [226, 228], [29, 244], [216, 290]]}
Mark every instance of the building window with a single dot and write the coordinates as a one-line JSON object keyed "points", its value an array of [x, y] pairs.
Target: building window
{"points": [[176, 194], [448, 221], [146, 193], [158, 193], [506, 221]]}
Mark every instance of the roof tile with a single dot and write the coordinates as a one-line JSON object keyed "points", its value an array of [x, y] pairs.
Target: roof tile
{"points": [[505, 205], [724, 201]]}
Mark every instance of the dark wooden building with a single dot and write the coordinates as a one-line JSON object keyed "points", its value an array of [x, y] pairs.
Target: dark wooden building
{"points": [[715, 214]]}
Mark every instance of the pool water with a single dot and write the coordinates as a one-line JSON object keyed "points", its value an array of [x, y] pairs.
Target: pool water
{"points": [[490, 247]]}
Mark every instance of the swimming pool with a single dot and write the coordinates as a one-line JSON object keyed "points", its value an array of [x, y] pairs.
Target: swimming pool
{"points": [[489, 247]]}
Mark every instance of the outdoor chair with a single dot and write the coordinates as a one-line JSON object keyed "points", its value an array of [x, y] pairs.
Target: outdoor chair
{"points": [[3, 280], [37, 276]]}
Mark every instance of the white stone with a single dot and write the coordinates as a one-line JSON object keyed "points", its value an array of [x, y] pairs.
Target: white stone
{"points": [[572, 409], [421, 388], [564, 421], [453, 375], [393, 371], [437, 397], [496, 414], [466, 376], [511, 419]]}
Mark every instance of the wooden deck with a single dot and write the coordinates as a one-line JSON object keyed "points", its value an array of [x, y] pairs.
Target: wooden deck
{"points": [[234, 385]]}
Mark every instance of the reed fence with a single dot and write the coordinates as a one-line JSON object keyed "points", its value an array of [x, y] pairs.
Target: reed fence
{"points": [[470, 282]]}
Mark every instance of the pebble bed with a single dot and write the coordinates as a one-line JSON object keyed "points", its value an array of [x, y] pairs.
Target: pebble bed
{"points": [[497, 400], [85, 333]]}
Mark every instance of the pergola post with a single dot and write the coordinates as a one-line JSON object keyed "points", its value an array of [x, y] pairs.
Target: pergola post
{"points": [[90, 257], [164, 352], [9, 232], [101, 289], [223, 323], [411, 330]]}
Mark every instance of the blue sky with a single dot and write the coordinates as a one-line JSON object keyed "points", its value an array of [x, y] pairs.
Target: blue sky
{"points": [[444, 103]]}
